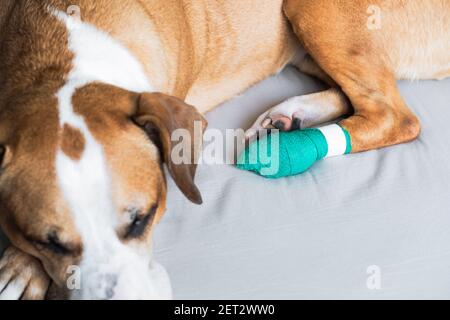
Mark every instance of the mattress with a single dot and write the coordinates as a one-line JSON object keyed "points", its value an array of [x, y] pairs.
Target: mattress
{"points": [[374, 225]]}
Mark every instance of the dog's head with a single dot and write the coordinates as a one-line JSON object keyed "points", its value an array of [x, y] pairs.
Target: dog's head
{"points": [[82, 186]]}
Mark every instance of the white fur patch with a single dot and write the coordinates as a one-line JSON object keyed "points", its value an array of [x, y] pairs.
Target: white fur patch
{"points": [[13, 290], [110, 269], [337, 141], [35, 290], [101, 58]]}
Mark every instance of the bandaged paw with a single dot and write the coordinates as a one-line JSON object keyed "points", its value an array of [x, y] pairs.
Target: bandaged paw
{"points": [[290, 153]]}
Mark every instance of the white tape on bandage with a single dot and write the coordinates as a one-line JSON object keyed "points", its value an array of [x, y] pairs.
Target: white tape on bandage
{"points": [[336, 139]]}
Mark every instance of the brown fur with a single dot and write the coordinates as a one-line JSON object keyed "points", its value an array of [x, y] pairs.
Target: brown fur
{"points": [[365, 63], [202, 52], [72, 142], [17, 265]]}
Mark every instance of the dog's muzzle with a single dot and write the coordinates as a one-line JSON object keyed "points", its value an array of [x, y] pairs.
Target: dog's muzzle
{"points": [[126, 277]]}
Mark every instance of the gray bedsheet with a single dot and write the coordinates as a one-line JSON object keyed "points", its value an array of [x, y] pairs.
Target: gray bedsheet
{"points": [[321, 234], [317, 235]]}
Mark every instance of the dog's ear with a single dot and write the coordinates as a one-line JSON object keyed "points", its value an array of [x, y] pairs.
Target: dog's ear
{"points": [[160, 115]]}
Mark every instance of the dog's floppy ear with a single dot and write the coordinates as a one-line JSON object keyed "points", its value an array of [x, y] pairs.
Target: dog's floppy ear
{"points": [[160, 115]]}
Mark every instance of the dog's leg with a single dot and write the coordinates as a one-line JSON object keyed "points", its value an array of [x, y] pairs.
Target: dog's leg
{"points": [[308, 66], [381, 116], [357, 62], [443, 75], [303, 112], [22, 276]]}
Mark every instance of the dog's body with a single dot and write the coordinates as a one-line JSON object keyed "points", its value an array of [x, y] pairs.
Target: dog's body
{"points": [[76, 168]]}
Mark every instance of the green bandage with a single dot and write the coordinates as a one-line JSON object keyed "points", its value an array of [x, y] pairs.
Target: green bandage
{"points": [[290, 153]]}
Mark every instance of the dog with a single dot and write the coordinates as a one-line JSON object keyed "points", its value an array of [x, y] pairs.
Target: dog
{"points": [[91, 91]]}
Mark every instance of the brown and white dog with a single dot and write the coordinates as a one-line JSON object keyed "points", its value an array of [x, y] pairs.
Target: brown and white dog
{"points": [[88, 104]]}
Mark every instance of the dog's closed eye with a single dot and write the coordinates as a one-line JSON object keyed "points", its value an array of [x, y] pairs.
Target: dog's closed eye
{"points": [[54, 245], [139, 223]]}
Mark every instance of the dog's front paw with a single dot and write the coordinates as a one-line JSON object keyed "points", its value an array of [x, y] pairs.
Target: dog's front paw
{"points": [[22, 277], [293, 114], [302, 112], [284, 154], [291, 153]]}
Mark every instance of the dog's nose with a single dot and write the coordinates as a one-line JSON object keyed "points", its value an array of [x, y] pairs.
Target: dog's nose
{"points": [[110, 281]]}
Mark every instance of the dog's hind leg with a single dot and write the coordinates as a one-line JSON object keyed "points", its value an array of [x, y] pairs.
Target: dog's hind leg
{"points": [[443, 75], [381, 117], [303, 112], [358, 64], [308, 66]]}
